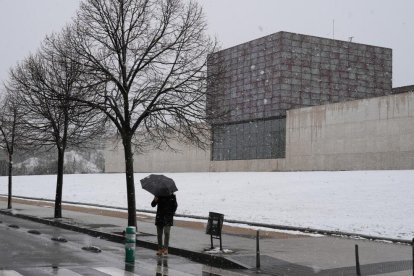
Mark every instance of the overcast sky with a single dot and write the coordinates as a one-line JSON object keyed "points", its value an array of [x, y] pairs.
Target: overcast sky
{"points": [[386, 23]]}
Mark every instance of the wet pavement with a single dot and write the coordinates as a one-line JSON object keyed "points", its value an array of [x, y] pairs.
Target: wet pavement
{"points": [[24, 253], [281, 253]]}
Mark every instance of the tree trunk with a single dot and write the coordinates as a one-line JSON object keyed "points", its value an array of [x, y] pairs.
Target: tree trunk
{"points": [[129, 172], [59, 184], [9, 199]]}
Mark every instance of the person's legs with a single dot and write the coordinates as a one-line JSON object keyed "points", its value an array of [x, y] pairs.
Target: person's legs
{"points": [[159, 238], [166, 238]]}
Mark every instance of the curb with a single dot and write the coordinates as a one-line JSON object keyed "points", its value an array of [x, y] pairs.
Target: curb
{"points": [[265, 225], [207, 259]]}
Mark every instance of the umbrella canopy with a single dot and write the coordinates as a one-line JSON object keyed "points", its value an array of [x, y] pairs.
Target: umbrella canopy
{"points": [[158, 185]]}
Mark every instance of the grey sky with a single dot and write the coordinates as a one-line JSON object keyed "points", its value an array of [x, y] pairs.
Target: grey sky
{"points": [[386, 23]]}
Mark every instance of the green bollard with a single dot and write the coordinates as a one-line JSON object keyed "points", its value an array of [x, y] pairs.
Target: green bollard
{"points": [[130, 241]]}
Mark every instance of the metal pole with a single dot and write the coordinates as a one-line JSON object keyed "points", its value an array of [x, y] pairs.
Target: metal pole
{"points": [[358, 269], [257, 250], [221, 245]]}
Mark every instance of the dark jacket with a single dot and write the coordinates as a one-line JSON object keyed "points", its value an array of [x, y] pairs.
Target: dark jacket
{"points": [[167, 205]]}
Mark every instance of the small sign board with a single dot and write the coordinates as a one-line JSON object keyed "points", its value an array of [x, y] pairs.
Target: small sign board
{"points": [[214, 225]]}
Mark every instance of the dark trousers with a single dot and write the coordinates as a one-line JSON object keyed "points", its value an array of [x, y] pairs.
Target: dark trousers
{"points": [[166, 231]]}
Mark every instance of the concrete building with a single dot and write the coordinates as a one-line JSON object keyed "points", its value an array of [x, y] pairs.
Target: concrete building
{"points": [[258, 81], [296, 102]]}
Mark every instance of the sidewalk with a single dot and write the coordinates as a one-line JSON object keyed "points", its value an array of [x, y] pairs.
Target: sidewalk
{"points": [[281, 253]]}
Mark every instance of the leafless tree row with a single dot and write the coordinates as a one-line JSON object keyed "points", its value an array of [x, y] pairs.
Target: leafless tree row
{"points": [[138, 66]]}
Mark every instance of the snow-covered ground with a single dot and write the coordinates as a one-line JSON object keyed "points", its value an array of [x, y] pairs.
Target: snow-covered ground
{"points": [[379, 203]]}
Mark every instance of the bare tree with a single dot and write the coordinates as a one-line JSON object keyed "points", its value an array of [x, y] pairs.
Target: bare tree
{"points": [[11, 135], [151, 54], [43, 85]]}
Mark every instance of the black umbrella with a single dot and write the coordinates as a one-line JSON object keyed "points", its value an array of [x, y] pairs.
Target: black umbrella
{"points": [[158, 185]]}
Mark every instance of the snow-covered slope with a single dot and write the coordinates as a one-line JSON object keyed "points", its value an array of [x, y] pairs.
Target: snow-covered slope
{"points": [[377, 203]]}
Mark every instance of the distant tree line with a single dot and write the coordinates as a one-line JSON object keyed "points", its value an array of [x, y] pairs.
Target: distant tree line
{"points": [[40, 163]]}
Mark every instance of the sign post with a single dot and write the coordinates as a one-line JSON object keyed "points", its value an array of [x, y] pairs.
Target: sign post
{"points": [[214, 225]]}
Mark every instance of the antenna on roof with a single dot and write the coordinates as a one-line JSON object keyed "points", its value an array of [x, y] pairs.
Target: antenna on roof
{"points": [[350, 38], [333, 28]]}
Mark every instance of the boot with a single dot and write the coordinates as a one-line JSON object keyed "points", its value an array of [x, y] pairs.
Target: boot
{"points": [[160, 252]]}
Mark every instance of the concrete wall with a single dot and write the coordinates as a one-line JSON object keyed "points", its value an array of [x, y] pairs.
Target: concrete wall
{"points": [[187, 158], [368, 134], [376, 133]]}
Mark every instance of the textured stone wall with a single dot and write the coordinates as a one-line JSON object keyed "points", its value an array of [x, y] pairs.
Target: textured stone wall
{"points": [[265, 77], [261, 139]]}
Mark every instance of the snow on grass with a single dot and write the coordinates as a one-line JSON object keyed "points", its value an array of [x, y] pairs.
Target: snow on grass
{"points": [[378, 203]]}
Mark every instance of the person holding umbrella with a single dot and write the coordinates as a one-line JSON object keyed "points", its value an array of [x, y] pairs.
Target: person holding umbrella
{"points": [[163, 189], [167, 205]]}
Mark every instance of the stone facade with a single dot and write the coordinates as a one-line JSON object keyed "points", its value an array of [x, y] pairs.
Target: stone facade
{"points": [[263, 78], [260, 139]]}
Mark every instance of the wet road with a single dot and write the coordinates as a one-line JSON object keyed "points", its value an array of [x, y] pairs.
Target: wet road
{"points": [[27, 252]]}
